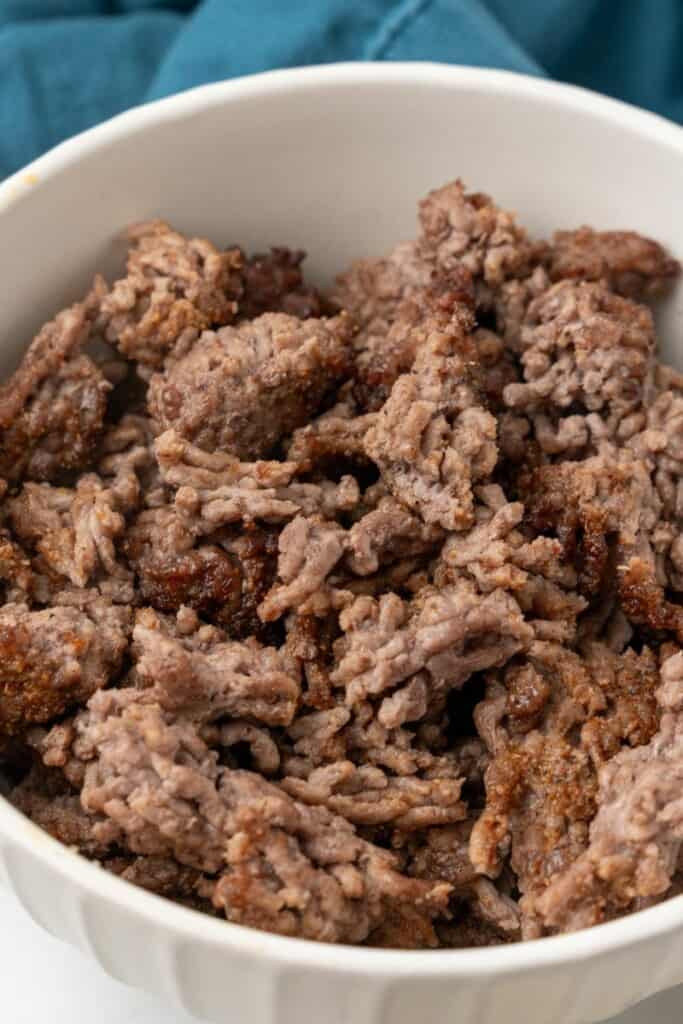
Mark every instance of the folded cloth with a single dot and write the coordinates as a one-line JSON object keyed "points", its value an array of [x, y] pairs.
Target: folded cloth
{"points": [[67, 64]]}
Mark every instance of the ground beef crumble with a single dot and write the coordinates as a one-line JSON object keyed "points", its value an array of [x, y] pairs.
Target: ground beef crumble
{"points": [[355, 616]]}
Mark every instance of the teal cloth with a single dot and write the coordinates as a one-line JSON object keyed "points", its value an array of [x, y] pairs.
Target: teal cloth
{"points": [[67, 64]]}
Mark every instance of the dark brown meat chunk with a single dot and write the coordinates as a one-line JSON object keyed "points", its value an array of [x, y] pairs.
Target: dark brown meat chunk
{"points": [[273, 282], [636, 836], [53, 659], [223, 581], [551, 726], [630, 264], [52, 408]]}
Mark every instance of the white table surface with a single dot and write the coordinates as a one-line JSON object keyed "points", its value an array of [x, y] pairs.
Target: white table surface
{"points": [[46, 980]]}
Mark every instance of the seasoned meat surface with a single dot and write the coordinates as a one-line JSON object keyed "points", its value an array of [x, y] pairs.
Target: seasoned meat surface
{"points": [[355, 616]]}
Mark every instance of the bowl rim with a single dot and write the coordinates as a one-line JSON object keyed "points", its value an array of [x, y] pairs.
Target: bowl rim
{"points": [[191, 925]]}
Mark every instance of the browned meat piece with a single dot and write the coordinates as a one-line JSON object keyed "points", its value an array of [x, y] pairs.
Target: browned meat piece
{"points": [[73, 531], [550, 726], [366, 795], [58, 747], [585, 351], [432, 440], [334, 437], [126, 461], [164, 877], [461, 229], [372, 290], [309, 549], [45, 797], [637, 833], [386, 534], [172, 572], [511, 302], [495, 553], [660, 445], [216, 490], [15, 570], [310, 641], [381, 358], [452, 633], [223, 581], [243, 680], [631, 265], [175, 287], [55, 658], [274, 283], [496, 368], [282, 866], [644, 600], [52, 407], [241, 389], [593, 505]]}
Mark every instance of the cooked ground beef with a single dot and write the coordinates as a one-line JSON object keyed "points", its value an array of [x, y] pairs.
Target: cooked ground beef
{"points": [[356, 616]]}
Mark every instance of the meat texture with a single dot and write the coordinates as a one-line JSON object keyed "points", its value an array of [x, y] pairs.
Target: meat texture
{"points": [[52, 408], [56, 658], [174, 288], [635, 838], [355, 617], [631, 265], [432, 441], [280, 865], [239, 390]]}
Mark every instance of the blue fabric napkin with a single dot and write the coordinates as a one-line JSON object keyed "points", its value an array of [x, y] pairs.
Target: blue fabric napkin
{"points": [[67, 64]]}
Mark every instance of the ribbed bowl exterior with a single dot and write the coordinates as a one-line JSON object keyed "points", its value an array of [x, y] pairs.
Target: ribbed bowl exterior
{"points": [[224, 986], [332, 159]]}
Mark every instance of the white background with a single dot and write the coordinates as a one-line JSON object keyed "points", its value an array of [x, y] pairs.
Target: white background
{"points": [[44, 980]]}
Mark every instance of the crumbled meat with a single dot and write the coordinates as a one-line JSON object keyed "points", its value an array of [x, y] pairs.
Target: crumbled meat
{"points": [[274, 283], [73, 531], [281, 865], [240, 679], [385, 356], [550, 725], [466, 230], [385, 534], [636, 835], [241, 389], [631, 265], [451, 633], [215, 490], [53, 659], [52, 408], [432, 441], [15, 570], [586, 349], [336, 435], [368, 796], [45, 797], [175, 287], [308, 551], [355, 617]]}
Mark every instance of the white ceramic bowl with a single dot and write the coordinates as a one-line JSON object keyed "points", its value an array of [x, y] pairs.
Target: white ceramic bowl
{"points": [[332, 159]]}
